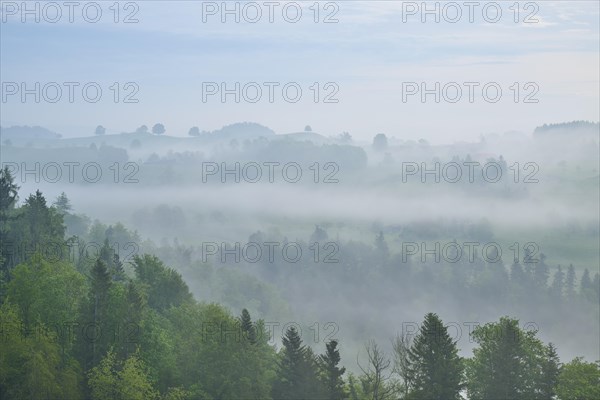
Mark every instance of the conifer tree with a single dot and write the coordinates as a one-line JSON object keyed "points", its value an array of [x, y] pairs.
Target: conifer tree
{"points": [[331, 373], [436, 367], [550, 372], [570, 283], [296, 378], [556, 289], [248, 328]]}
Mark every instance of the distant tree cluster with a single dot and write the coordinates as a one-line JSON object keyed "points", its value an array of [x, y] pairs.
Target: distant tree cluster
{"points": [[100, 130], [157, 129], [563, 127]]}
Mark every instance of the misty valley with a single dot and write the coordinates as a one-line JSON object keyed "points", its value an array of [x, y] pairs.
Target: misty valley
{"points": [[299, 200], [243, 264]]}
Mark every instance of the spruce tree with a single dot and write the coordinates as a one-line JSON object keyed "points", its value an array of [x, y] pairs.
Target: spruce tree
{"points": [[541, 273], [248, 328], [586, 285], [296, 379], [112, 261], [331, 374], [63, 204], [381, 245], [135, 304], [98, 309], [570, 283], [8, 199], [436, 367], [8, 190], [556, 289], [550, 372]]}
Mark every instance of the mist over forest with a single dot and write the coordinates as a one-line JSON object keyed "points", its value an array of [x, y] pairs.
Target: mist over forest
{"points": [[357, 250], [299, 200]]}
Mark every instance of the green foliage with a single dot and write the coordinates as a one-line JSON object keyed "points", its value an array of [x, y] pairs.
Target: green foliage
{"points": [[550, 373], [8, 199], [296, 378], [8, 190], [164, 286], [30, 362], [112, 380], [331, 373], [436, 367], [579, 380], [248, 328], [30, 229], [48, 293], [509, 363]]}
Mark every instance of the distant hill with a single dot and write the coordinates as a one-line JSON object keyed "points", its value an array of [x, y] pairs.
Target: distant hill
{"points": [[305, 136], [575, 127], [243, 130], [27, 133]]}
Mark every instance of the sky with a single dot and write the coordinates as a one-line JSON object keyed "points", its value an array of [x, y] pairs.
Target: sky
{"points": [[368, 65]]}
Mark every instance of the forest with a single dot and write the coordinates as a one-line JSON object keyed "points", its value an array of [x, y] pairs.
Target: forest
{"points": [[77, 325]]}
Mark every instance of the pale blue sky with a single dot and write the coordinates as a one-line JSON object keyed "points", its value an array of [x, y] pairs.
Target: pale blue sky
{"points": [[368, 54]]}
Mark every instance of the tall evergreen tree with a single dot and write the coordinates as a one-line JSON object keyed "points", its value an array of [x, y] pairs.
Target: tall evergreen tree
{"points": [[541, 273], [331, 373], [381, 245], [570, 283], [295, 379], [62, 204], [319, 235], [556, 289], [248, 328], [97, 312], [436, 367], [135, 305], [112, 261], [550, 372], [517, 274], [586, 289], [8, 200], [8, 190]]}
